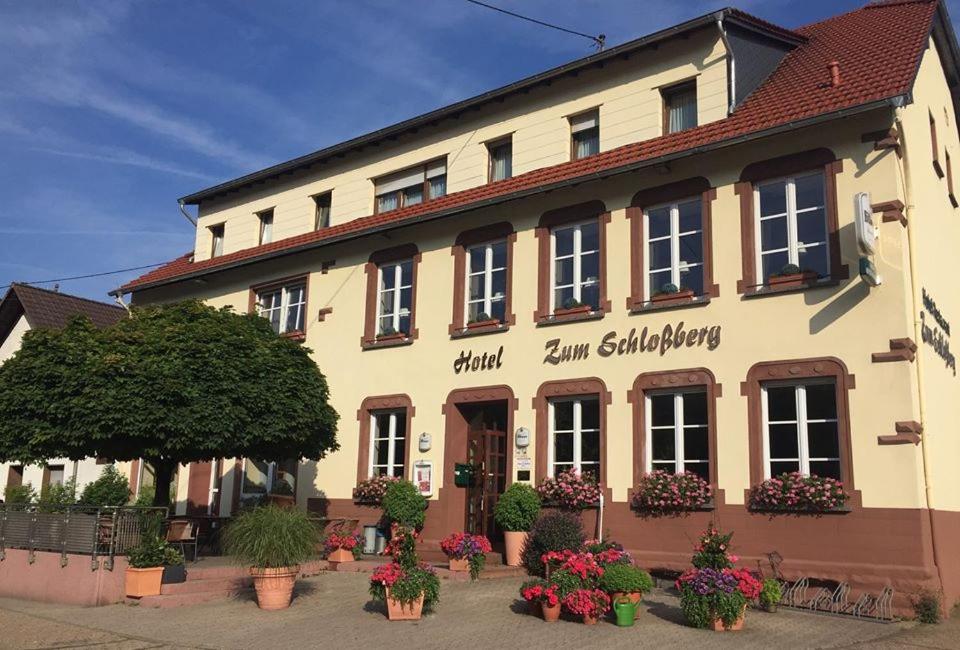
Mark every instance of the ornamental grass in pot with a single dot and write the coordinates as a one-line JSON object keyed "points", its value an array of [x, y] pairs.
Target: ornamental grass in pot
{"points": [[626, 581], [273, 542], [516, 510]]}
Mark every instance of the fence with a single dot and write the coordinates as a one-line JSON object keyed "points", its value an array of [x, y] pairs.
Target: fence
{"points": [[84, 530]]}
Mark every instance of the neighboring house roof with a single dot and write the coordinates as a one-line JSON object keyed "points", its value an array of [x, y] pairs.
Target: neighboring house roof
{"points": [[878, 47], [45, 309]]}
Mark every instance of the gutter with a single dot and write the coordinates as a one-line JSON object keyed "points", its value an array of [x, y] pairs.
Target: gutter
{"points": [[892, 102]]}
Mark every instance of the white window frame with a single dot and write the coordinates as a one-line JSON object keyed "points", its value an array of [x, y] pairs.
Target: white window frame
{"points": [[578, 253], [488, 270], [322, 213], [285, 304], [217, 235], [676, 267], [397, 269], [266, 226], [802, 422], [577, 432], [492, 148], [678, 426], [271, 477], [391, 439], [793, 246]]}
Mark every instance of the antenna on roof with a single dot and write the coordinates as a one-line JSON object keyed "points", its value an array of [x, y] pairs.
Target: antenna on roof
{"points": [[599, 41]]}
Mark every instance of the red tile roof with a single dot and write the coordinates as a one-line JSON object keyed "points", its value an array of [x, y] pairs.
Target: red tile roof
{"points": [[878, 48]]}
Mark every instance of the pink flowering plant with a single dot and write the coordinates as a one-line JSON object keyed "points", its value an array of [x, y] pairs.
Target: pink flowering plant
{"points": [[464, 546], [592, 603], [370, 491], [570, 490], [540, 590], [350, 542], [406, 578], [663, 494], [715, 588], [796, 492], [607, 552]]}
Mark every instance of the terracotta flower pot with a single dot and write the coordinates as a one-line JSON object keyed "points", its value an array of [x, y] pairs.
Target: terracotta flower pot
{"points": [[143, 582], [514, 541], [399, 611], [634, 596], [551, 614], [459, 564], [717, 625], [340, 555], [590, 620], [274, 586]]}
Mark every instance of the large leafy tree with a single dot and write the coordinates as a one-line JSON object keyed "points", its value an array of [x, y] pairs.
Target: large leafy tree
{"points": [[172, 384]]}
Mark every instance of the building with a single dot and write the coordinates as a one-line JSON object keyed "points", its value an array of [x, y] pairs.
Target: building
{"points": [[26, 308], [504, 263]]}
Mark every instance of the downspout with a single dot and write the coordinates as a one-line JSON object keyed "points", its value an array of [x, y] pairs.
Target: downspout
{"points": [[731, 65], [186, 215], [916, 305]]}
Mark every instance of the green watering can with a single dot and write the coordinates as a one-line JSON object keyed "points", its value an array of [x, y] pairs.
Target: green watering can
{"points": [[626, 611]]}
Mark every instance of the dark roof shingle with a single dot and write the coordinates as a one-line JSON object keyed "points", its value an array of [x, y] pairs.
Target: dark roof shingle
{"points": [[47, 309]]}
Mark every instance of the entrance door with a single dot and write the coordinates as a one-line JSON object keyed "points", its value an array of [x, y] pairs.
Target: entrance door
{"points": [[487, 452]]}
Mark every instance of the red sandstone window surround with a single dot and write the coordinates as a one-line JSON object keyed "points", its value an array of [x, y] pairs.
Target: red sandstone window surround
{"points": [[592, 426], [396, 412], [483, 280], [672, 223], [391, 299], [284, 304]]}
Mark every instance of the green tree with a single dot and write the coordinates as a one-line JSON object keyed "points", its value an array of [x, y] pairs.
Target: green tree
{"points": [[172, 384], [111, 489]]}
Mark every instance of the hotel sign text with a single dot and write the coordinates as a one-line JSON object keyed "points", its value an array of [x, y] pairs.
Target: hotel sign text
{"points": [[670, 338]]}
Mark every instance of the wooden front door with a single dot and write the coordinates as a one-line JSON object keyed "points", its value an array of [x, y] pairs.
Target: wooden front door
{"points": [[487, 452]]}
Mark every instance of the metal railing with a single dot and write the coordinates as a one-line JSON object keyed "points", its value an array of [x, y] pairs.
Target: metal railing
{"points": [[82, 530]]}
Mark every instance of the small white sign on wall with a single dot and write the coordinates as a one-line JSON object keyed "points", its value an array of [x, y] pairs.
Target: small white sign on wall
{"points": [[523, 463], [423, 477]]}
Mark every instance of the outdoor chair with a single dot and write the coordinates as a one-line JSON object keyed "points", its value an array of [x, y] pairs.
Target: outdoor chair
{"points": [[183, 534]]}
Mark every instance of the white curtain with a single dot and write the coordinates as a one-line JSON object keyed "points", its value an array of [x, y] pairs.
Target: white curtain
{"points": [[683, 111]]}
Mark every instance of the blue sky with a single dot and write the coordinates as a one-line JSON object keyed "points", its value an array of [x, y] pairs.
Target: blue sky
{"points": [[110, 111]]}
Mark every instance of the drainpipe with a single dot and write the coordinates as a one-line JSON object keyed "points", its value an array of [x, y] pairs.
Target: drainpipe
{"points": [[731, 64], [186, 215], [918, 338], [119, 300]]}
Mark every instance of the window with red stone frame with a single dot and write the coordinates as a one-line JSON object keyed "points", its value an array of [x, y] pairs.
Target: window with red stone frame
{"points": [[400, 405], [373, 336], [483, 243], [788, 167], [575, 224], [671, 199]]}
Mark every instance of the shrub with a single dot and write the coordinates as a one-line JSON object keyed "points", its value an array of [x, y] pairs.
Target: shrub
{"points": [[19, 494], [711, 551], [57, 496], [370, 491], [553, 531], [663, 493], [110, 489], [771, 593], [271, 537], [926, 606], [517, 508], [570, 490], [150, 553], [794, 491], [403, 504], [625, 578]]}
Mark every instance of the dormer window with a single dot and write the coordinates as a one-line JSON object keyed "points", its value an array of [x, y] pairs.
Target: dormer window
{"points": [[322, 204], [501, 159], [411, 186], [266, 227], [679, 107], [216, 235], [585, 134]]}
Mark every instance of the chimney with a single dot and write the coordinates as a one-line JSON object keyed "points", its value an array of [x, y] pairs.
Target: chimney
{"points": [[834, 67]]}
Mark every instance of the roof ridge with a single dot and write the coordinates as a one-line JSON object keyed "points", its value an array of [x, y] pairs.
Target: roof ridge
{"points": [[27, 285]]}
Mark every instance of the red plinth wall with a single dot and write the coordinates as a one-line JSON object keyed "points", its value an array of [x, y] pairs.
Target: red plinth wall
{"points": [[47, 581]]}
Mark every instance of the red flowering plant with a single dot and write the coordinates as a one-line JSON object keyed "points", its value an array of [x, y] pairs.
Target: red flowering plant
{"points": [[592, 603], [350, 542], [540, 590], [370, 491], [607, 552], [406, 578], [464, 546], [662, 494], [796, 492], [570, 490]]}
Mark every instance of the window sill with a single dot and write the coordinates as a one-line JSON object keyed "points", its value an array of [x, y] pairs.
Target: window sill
{"points": [[640, 306], [767, 290], [299, 337], [559, 319], [387, 343], [845, 510], [467, 332]]}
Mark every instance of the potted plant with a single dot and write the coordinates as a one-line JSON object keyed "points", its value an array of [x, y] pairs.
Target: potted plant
{"points": [[626, 581], [482, 320], [390, 333], [570, 490], [791, 276], [408, 586], [591, 604], [572, 306], [403, 505], [273, 542], [795, 492], [663, 494], [770, 595], [343, 548], [466, 552], [554, 530], [607, 552], [370, 491], [671, 293], [174, 570], [516, 510], [543, 598], [145, 562], [281, 494]]}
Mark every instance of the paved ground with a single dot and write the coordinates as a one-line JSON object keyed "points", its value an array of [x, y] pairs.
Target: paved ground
{"points": [[332, 611]]}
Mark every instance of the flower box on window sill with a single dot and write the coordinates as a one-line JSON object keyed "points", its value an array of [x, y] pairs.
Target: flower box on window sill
{"points": [[802, 279], [556, 504], [842, 510], [561, 312], [391, 338], [672, 298], [491, 323], [295, 336]]}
